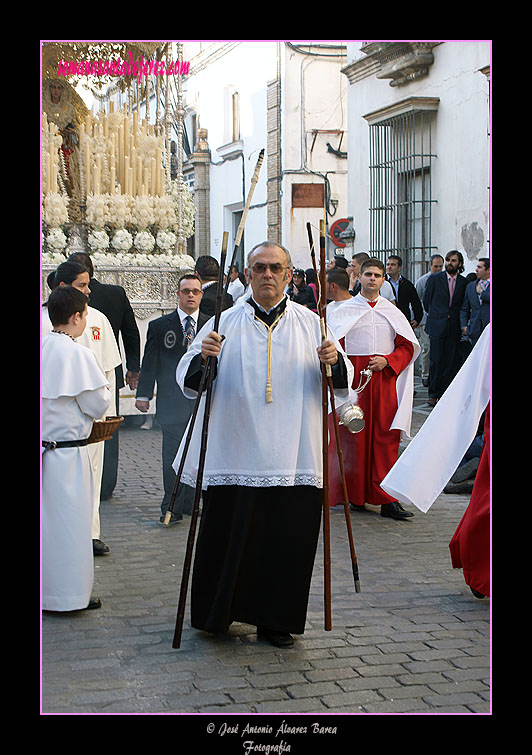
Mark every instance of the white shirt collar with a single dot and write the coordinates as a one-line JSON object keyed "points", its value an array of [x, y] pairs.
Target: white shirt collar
{"points": [[183, 315]]}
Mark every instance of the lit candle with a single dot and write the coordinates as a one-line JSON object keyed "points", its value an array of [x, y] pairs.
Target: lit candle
{"points": [[135, 126], [134, 167], [139, 170], [126, 136], [153, 176], [87, 167], [97, 187], [48, 171]]}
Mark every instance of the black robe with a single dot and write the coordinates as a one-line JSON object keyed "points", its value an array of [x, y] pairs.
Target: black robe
{"points": [[256, 546]]}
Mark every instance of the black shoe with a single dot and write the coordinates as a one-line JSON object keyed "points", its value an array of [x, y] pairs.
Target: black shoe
{"points": [[459, 488], [99, 548], [93, 604], [477, 594], [466, 471], [279, 639], [394, 510], [354, 507]]}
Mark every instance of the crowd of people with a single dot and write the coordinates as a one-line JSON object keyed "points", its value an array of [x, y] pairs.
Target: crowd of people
{"points": [[262, 492]]}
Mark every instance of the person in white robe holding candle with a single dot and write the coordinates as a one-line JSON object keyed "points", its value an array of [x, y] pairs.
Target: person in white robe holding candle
{"points": [[75, 391], [262, 486]]}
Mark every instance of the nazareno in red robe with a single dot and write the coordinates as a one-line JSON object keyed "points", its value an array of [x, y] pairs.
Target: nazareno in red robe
{"points": [[470, 544], [369, 455]]}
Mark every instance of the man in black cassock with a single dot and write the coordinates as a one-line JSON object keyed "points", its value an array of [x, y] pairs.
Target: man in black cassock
{"points": [[263, 478]]}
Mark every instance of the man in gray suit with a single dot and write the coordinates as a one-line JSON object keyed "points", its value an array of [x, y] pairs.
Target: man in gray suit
{"points": [[167, 340], [475, 311]]}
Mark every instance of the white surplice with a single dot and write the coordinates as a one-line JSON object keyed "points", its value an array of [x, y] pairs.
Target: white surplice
{"points": [[99, 337], [276, 443], [74, 393], [372, 330], [430, 459]]}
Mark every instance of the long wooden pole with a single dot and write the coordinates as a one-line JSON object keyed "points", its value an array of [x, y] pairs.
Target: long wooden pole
{"points": [[204, 376], [206, 380], [201, 465], [326, 372], [321, 310]]}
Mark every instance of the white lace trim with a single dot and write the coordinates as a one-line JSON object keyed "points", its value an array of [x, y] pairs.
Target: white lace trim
{"points": [[255, 482]]}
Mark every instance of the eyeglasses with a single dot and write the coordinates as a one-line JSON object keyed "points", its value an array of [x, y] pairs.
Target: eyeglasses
{"points": [[276, 268], [193, 291]]}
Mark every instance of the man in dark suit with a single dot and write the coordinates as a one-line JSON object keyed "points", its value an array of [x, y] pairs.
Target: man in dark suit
{"points": [[207, 269], [405, 292], [167, 340], [442, 300], [475, 312], [113, 302]]}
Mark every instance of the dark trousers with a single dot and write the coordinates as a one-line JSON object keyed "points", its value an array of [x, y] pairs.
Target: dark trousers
{"points": [[444, 363], [184, 502], [110, 459], [110, 466]]}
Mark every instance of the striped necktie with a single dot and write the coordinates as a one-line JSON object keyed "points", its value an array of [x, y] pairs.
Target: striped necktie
{"points": [[189, 330]]}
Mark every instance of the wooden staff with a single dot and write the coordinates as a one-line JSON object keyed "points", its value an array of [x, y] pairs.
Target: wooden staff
{"points": [[321, 308], [207, 379], [326, 372], [204, 376], [201, 465]]}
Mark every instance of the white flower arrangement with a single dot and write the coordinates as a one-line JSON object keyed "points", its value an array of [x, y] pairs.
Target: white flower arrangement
{"points": [[119, 210], [142, 212], [115, 120], [55, 209], [98, 240], [56, 239], [147, 148], [100, 259], [96, 214], [122, 241], [144, 242], [52, 258], [166, 240], [164, 212]]}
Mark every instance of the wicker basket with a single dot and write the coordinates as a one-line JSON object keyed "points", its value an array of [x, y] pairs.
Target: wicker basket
{"points": [[103, 429]]}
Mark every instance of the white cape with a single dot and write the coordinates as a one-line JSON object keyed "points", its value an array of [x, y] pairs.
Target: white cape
{"points": [[252, 442], [429, 461], [343, 318]]}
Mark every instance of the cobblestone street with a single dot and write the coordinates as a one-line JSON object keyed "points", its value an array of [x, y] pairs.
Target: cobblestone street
{"points": [[413, 641]]}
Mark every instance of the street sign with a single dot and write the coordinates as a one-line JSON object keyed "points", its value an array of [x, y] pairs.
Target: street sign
{"points": [[336, 229]]}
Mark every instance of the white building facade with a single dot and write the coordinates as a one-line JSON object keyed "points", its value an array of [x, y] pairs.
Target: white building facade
{"points": [[419, 150], [288, 98]]}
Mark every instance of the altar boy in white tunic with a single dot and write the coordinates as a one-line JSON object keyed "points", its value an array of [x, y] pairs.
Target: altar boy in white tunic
{"points": [[74, 393], [262, 485], [98, 336]]}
